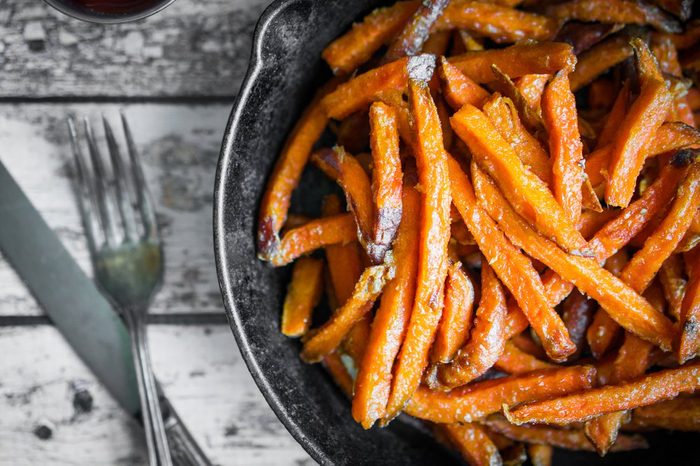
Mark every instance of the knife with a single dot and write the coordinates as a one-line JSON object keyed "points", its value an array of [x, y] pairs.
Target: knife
{"points": [[79, 311]]}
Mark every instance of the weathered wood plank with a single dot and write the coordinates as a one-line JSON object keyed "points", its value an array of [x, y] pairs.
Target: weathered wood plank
{"points": [[202, 374], [193, 48], [179, 145]]}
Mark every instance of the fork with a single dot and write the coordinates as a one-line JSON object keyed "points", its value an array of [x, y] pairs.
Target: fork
{"points": [[125, 248]]}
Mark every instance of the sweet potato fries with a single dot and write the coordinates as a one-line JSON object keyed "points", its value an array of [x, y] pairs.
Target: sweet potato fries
{"points": [[494, 156]]}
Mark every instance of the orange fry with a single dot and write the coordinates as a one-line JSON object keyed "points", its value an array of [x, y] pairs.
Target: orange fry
{"points": [[504, 116], [673, 284], [285, 176], [511, 267], [473, 443], [531, 86], [477, 400], [486, 341], [504, 25], [416, 30], [313, 235], [660, 245], [599, 59], [433, 176], [515, 361], [629, 309], [326, 339], [577, 313], [303, 294], [645, 116], [360, 91], [678, 414], [647, 390], [359, 44], [614, 11], [458, 89], [373, 381], [530, 116], [667, 55], [456, 316], [350, 175], [565, 147], [386, 177], [689, 341], [540, 455], [516, 60], [527, 193], [570, 439], [669, 137]]}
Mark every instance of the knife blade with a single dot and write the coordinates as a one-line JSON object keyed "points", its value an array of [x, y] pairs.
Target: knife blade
{"points": [[78, 310]]}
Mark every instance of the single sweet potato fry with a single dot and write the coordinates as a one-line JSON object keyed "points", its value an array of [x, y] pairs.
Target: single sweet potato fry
{"points": [[486, 341], [505, 25], [565, 146], [415, 32], [373, 381], [577, 314], [515, 361], [457, 315], [458, 89], [357, 93], [673, 284], [614, 11], [339, 373], [285, 176], [663, 241], [679, 414], [511, 267], [313, 235], [387, 177], [326, 339], [528, 194], [670, 136], [433, 176], [531, 87], [358, 45], [477, 400], [504, 116], [540, 455], [516, 60], [689, 341], [645, 116], [667, 56], [570, 439], [303, 294], [472, 442], [350, 175], [643, 391], [629, 309]]}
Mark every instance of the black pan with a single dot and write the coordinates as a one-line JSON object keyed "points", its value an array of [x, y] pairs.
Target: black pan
{"points": [[285, 66]]}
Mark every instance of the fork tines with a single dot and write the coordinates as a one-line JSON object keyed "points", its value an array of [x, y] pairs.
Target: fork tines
{"points": [[113, 197]]}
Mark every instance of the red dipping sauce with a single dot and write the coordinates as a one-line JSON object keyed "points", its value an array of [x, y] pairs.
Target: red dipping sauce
{"points": [[116, 6]]}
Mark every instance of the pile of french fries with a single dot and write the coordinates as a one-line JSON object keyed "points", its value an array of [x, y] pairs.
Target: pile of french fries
{"points": [[516, 259]]}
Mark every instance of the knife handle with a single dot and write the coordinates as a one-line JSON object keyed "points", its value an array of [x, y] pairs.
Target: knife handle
{"points": [[183, 448]]}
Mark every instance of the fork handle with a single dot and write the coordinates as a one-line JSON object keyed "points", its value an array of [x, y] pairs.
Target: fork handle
{"points": [[156, 439], [184, 449]]}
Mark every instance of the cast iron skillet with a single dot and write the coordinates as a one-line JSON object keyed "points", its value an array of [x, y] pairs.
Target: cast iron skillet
{"points": [[285, 66]]}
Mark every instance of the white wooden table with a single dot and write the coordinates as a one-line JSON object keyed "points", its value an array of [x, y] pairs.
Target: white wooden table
{"points": [[175, 75]]}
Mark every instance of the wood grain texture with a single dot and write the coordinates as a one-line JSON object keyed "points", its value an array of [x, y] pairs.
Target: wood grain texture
{"points": [[201, 372], [179, 146], [193, 48]]}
